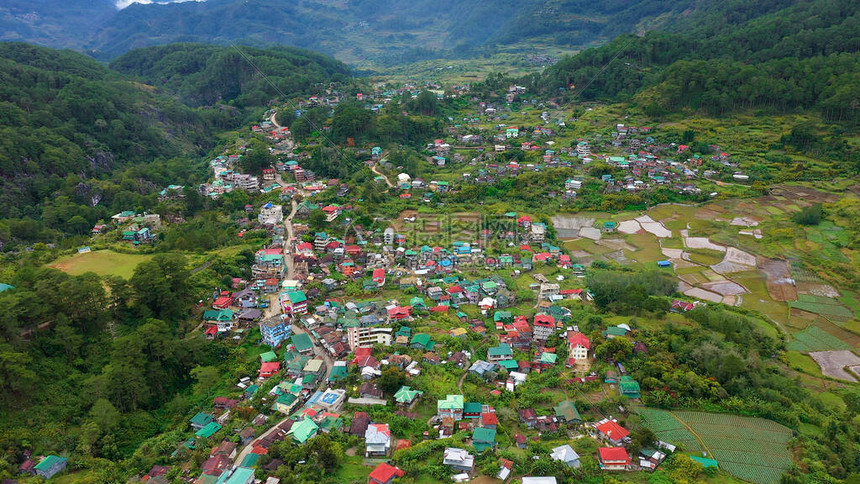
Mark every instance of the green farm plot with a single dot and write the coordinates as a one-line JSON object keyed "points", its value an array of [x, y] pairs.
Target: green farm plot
{"points": [[669, 429], [850, 301], [705, 257], [753, 449], [814, 338], [102, 262], [828, 307]]}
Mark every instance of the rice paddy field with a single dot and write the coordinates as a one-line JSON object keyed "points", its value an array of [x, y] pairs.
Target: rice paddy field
{"points": [[752, 449]]}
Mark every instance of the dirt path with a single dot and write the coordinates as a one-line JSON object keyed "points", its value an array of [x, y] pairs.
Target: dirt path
{"points": [[375, 169], [694, 434], [274, 119], [200, 267]]}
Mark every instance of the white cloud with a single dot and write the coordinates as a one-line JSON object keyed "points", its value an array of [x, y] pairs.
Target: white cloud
{"points": [[121, 4]]}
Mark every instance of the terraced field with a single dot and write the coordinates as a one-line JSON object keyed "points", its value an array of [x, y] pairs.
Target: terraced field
{"points": [[814, 338], [752, 449]]}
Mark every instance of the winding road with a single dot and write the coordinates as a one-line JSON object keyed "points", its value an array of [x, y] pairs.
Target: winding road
{"points": [[274, 308]]}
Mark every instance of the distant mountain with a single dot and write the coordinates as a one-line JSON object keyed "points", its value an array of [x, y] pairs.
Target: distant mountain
{"points": [[381, 30], [53, 23], [385, 31]]}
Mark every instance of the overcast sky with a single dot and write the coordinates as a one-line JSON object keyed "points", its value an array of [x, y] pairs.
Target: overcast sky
{"points": [[126, 3]]}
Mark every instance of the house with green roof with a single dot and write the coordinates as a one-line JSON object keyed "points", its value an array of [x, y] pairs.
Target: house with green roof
{"points": [[614, 332], [452, 407], [218, 315], [483, 438], [567, 412], [303, 344], [510, 365], [406, 395], [303, 430], [268, 356], [629, 387], [471, 410], [489, 287], [422, 341], [331, 423], [201, 420], [285, 403], [208, 431], [338, 373], [417, 302], [500, 353], [502, 317], [242, 475], [548, 359], [50, 466]]}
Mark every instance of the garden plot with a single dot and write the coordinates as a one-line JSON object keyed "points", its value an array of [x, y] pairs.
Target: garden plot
{"points": [[567, 227], [683, 264], [619, 257], [736, 260], [725, 288], [672, 253], [833, 363], [629, 227], [590, 233], [702, 243], [821, 290], [652, 226], [704, 295], [617, 244], [828, 307], [814, 338], [752, 449], [744, 222], [780, 285]]}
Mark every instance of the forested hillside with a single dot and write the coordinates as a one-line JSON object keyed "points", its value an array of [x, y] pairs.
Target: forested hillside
{"points": [[782, 56], [69, 122], [80, 142], [203, 74]]}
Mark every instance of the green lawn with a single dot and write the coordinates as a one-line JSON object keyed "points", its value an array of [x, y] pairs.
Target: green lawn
{"points": [[102, 262]]}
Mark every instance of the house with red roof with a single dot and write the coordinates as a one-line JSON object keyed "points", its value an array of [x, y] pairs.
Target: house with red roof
{"points": [[384, 474], [488, 420], [564, 261], [223, 302], [611, 431], [571, 293], [379, 277], [305, 248], [544, 326], [353, 250], [399, 313], [578, 345], [269, 368], [614, 458]]}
